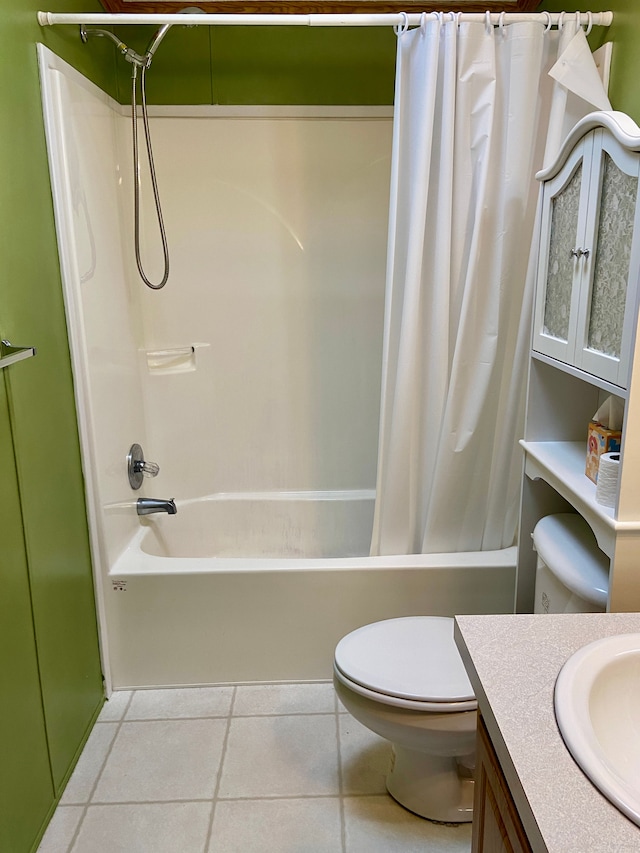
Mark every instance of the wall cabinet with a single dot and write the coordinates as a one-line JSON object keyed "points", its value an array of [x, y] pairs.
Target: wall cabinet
{"points": [[496, 824], [585, 346], [590, 239]]}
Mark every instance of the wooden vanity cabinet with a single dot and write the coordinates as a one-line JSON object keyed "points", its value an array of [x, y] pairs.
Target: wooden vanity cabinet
{"points": [[496, 824]]}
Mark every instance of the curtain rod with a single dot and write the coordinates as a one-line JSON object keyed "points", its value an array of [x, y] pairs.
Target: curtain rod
{"points": [[47, 19]]}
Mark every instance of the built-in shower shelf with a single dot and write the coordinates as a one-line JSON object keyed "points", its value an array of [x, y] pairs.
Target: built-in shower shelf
{"points": [[179, 359]]}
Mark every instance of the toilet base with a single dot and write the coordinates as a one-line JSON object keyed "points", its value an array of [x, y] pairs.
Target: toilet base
{"points": [[432, 786]]}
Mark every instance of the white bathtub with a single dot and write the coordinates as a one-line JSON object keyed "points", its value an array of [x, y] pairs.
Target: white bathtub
{"points": [[185, 611], [266, 525]]}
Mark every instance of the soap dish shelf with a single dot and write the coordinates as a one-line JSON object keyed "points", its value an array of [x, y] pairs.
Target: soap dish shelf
{"points": [[179, 359]]}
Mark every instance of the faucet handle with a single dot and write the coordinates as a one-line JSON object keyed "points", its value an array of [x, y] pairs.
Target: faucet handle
{"points": [[137, 467], [150, 469]]}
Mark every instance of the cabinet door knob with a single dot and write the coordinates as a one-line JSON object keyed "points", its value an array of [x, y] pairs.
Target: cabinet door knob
{"points": [[578, 253]]}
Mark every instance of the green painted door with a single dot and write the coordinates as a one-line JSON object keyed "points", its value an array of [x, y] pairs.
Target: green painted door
{"points": [[26, 786], [55, 533]]}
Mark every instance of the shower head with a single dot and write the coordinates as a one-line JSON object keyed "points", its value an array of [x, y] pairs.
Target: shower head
{"points": [[155, 42]]}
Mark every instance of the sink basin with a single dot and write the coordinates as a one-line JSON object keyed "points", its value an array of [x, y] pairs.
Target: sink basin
{"points": [[597, 705]]}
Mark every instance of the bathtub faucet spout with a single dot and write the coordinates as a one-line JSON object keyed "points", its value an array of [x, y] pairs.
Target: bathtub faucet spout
{"points": [[145, 506]]}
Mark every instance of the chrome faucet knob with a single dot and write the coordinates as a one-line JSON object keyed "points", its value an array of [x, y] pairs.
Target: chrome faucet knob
{"points": [[150, 469], [137, 467]]}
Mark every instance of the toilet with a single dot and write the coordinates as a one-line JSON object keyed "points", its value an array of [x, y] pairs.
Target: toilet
{"points": [[404, 680]]}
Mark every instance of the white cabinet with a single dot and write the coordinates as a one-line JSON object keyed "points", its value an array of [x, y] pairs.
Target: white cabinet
{"points": [[585, 345], [590, 244]]}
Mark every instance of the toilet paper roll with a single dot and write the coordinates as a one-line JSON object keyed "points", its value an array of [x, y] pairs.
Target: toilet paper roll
{"points": [[607, 485]]}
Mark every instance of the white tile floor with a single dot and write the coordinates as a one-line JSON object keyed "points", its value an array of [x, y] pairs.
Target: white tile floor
{"points": [[247, 769]]}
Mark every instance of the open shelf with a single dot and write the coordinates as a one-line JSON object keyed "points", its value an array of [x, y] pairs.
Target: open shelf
{"points": [[596, 381], [561, 464]]}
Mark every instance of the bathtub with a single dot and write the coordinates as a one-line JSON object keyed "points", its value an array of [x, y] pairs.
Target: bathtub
{"points": [[260, 587]]}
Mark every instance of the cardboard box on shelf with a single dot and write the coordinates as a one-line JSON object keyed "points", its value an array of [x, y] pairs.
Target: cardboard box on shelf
{"points": [[600, 439]]}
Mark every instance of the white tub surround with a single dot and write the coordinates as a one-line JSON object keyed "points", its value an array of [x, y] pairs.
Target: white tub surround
{"points": [[513, 663], [256, 369], [252, 379]]}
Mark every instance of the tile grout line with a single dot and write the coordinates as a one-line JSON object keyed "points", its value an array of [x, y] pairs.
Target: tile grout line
{"points": [[99, 775], [235, 702], [261, 798], [213, 798], [343, 828], [224, 716], [223, 753], [214, 685]]}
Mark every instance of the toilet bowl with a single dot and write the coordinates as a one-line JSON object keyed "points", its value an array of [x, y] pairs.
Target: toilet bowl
{"points": [[404, 680]]}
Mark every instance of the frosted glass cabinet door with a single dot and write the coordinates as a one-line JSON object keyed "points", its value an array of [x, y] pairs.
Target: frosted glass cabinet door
{"points": [[605, 332], [564, 214]]}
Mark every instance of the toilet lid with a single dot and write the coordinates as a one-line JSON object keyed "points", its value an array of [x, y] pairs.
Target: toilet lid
{"points": [[414, 657]]}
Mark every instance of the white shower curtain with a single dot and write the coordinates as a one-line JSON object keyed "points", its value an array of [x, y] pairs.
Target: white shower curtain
{"points": [[471, 118]]}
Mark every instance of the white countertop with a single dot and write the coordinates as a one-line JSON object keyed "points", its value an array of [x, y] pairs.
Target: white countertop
{"points": [[513, 662]]}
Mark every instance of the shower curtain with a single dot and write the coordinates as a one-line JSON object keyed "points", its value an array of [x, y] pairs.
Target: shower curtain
{"points": [[474, 107]]}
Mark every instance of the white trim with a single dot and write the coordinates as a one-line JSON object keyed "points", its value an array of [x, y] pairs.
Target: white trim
{"points": [[620, 125], [216, 111], [45, 19], [294, 111], [50, 66]]}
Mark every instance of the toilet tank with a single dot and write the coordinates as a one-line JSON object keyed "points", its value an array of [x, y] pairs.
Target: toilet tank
{"points": [[572, 574]]}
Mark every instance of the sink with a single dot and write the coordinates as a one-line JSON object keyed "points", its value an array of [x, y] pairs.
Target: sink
{"points": [[597, 705]]}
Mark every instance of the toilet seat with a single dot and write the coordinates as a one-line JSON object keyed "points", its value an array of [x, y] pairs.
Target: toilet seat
{"points": [[410, 662]]}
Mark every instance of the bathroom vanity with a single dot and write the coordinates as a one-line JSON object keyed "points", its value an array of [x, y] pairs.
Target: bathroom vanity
{"points": [[530, 794]]}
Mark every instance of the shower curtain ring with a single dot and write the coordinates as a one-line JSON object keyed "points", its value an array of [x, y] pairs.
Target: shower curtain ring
{"points": [[549, 21], [439, 16], [487, 22], [561, 21], [400, 29], [590, 23], [501, 24]]}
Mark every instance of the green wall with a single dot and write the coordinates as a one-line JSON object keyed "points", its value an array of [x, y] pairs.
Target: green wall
{"points": [[303, 65], [624, 91], [31, 304], [265, 65], [40, 399]]}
